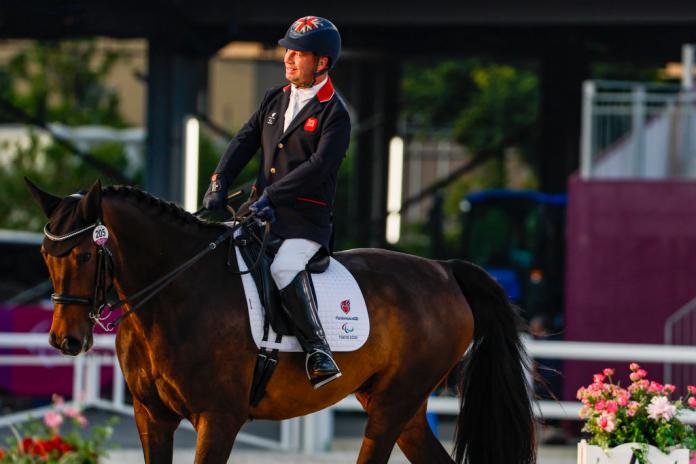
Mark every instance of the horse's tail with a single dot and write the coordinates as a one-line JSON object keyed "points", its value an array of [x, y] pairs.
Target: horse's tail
{"points": [[496, 421]]}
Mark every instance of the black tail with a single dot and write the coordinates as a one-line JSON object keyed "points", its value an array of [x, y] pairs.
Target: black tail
{"points": [[496, 421]]}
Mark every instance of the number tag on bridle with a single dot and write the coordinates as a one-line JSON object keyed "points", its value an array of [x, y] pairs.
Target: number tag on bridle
{"points": [[100, 235]]}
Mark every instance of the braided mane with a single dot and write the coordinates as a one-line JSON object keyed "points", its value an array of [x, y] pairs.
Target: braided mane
{"points": [[167, 208]]}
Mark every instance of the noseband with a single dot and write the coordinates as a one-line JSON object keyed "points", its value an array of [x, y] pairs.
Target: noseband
{"points": [[105, 266]]}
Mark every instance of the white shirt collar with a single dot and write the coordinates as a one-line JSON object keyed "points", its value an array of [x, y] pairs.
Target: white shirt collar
{"points": [[307, 93]]}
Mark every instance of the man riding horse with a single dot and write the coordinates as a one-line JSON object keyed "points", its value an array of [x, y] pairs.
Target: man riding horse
{"points": [[304, 131]]}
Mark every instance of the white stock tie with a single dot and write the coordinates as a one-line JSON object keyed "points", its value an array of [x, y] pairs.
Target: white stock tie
{"points": [[293, 109]]}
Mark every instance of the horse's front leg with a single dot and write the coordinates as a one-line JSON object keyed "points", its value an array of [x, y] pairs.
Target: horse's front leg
{"points": [[216, 434], [156, 433]]}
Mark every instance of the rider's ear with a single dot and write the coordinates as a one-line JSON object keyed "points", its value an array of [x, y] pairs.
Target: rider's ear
{"points": [[90, 205], [45, 200]]}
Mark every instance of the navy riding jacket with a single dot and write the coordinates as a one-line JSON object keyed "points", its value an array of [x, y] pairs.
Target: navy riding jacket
{"points": [[300, 165]]}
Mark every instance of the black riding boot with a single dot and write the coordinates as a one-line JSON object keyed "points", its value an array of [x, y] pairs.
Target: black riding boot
{"points": [[298, 302]]}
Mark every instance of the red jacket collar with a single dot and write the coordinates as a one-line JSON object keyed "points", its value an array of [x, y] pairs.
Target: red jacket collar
{"points": [[325, 94]]}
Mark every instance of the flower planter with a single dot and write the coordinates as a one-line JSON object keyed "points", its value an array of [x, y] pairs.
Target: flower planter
{"points": [[623, 454]]}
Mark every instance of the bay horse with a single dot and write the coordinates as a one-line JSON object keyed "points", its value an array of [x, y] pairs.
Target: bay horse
{"points": [[189, 354]]}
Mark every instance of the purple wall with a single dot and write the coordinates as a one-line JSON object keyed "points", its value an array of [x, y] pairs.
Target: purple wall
{"points": [[630, 263]]}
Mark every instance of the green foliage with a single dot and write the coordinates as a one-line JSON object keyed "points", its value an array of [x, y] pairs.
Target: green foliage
{"points": [[433, 96], [51, 167], [55, 81], [64, 81], [502, 110], [489, 106]]}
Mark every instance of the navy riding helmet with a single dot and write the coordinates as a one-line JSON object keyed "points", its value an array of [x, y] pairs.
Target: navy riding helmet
{"points": [[314, 34]]}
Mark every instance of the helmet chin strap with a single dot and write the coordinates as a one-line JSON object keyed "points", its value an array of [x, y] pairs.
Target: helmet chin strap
{"points": [[315, 74]]}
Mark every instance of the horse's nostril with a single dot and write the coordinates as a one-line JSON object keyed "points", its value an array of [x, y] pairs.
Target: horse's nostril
{"points": [[71, 345], [53, 341]]}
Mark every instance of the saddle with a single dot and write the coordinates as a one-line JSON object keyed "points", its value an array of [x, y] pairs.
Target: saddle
{"points": [[258, 259], [249, 243]]}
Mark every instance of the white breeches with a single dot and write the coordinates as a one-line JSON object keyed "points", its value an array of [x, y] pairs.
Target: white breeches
{"points": [[292, 257]]}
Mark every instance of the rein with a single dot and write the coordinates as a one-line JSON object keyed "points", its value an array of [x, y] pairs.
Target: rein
{"points": [[98, 301]]}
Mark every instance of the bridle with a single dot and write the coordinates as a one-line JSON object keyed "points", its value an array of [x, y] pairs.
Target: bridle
{"points": [[97, 302], [101, 309]]}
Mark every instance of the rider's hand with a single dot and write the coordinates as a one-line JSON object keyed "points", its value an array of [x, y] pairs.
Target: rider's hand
{"points": [[263, 209], [217, 192]]}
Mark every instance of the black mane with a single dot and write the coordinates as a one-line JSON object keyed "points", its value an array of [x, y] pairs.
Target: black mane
{"points": [[168, 208]]}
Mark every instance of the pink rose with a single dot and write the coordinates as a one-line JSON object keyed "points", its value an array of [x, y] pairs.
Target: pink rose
{"points": [[692, 402], [634, 376], [53, 419], [607, 422], [598, 378], [612, 407], [639, 385], [600, 405], [634, 367], [655, 387], [71, 411], [691, 389], [642, 373], [669, 388], [608, 372], [633, 407], [581, 393]]}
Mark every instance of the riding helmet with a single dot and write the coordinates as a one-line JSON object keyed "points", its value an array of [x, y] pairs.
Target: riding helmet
{"points": [[314, 34]]}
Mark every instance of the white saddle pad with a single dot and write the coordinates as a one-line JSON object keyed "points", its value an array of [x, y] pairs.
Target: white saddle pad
{"points": [[342, 310]]}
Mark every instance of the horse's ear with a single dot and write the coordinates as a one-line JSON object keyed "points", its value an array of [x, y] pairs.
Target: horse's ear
{"points": [[90, 204], [45, 200]]}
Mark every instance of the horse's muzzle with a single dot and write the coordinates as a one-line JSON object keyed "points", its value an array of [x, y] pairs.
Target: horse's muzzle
{"points": [[70, 346]]}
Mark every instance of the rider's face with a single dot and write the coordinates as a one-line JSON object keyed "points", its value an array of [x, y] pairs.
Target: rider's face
{"points": [[299, 67]]}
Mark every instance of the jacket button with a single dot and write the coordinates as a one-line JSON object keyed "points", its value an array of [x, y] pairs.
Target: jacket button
{"points": [[273, 170], [280, 145]]}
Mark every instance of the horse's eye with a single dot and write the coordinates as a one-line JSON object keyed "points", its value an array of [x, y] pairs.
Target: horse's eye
{"points": [[83, 257]]}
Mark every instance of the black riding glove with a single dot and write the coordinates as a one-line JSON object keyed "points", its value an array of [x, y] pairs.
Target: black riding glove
{"points": [[217, 192], [263, 209]]}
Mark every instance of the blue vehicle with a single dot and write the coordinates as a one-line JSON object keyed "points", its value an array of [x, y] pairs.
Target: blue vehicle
{"points": [[518, 237]]}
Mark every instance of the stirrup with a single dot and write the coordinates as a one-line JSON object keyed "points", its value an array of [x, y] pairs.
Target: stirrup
{"points": [[322, 380], [326, 380]]}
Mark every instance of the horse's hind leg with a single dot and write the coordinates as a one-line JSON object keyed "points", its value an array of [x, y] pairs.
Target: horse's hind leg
{"points": [[387, 414], [418, 442], [216, 434], [156, 433]]}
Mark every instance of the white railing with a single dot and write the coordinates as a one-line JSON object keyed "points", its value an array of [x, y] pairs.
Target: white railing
{"points": [[637, 130], [566, 350], [314, 432], [87, 382]]}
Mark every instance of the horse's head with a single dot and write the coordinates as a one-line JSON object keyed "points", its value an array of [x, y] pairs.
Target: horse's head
{"points": [[77, 264]]}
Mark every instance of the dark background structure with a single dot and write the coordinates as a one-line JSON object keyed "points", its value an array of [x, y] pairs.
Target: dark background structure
{"points": [[565, 38]]}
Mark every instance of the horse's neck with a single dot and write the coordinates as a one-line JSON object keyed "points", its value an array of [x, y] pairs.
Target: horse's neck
{"points": [[146, 247]]}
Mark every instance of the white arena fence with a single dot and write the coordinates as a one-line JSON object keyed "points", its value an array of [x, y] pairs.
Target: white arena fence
{"points": [[314, 432]]}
